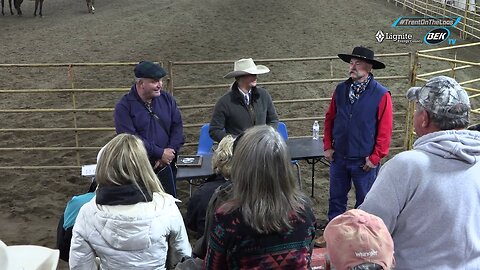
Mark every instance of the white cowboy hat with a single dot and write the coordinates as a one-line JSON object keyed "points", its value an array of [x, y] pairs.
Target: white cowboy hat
{"points": [[28, 257], [246, 66]]}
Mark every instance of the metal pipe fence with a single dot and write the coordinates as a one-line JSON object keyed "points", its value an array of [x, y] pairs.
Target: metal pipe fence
{"points": [[468, 27], [81, 106]]}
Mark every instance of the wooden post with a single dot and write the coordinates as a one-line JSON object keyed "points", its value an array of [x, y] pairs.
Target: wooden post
{"points": [[408, 140], [71, 76], [465, 19], [454, 65], [170, 77], [331, 69]]}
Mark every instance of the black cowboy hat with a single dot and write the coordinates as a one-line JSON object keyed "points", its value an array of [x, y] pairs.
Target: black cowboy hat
{"points": [[364, 54]]}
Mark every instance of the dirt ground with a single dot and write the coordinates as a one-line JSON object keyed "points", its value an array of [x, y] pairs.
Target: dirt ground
{"points": [[177, 30]]}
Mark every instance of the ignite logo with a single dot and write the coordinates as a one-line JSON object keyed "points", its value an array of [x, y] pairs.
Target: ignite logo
{"points": [[380, 36]]}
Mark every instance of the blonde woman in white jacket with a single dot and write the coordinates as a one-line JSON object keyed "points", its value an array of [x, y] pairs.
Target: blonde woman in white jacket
{"points": [[131, 223]]}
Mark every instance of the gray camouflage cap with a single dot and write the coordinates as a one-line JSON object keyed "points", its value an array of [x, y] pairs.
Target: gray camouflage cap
{"points": [[442, 96]]}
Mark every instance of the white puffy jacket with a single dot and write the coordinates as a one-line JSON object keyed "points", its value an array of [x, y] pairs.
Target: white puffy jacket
{"points": [[129, 236]]}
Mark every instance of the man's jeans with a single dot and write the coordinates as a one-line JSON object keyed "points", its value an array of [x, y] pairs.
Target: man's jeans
{"points": [[342, 173]]}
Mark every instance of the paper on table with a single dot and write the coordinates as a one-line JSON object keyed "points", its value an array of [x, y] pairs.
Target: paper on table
{"points": [[89, 170]]}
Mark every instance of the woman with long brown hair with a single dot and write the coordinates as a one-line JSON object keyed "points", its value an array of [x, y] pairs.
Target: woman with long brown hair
{"points": [[269, 222]]}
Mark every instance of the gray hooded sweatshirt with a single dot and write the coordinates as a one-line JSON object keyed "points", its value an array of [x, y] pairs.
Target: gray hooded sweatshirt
{"points": [[429, 198]]}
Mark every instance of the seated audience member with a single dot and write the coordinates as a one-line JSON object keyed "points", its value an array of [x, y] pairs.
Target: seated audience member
{"points": [[65, 224], [428, 197], [67, 220], [268, 223], [357, 240], [131, 223], [197, 205], [220, 195]]}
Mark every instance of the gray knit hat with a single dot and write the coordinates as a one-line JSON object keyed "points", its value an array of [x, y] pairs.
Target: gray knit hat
{"points": [[442, 96]]}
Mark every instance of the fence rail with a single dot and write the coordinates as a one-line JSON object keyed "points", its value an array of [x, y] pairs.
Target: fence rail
{"points": [[467, 27], [474, 92], [78, 127]]}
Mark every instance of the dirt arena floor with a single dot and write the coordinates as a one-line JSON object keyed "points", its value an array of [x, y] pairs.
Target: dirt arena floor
{"points": [[31, 201]]}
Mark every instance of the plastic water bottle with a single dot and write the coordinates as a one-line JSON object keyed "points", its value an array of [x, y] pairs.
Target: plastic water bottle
{"points": [[316, 130]]}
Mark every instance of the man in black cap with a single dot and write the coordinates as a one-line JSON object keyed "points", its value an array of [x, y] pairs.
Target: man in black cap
{"points": [[153, 115], [357, 131]]}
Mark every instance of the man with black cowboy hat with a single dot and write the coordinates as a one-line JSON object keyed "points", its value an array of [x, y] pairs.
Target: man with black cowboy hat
{"points": [[357, 131], [152, 114], [245, 104]]}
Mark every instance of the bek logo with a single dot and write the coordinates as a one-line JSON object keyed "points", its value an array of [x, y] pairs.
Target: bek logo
{"points": [[436, 36]]}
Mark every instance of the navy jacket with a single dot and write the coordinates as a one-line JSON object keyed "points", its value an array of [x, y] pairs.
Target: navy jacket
{"points": [[355, 125], [131, 116]]}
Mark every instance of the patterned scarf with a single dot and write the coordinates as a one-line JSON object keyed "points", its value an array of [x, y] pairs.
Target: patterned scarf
{"points": [[357, 88]]}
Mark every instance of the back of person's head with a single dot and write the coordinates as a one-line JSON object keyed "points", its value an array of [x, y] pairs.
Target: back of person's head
{"points": [[124, 161], [359, 240], [265, 188], [222, 157], [445, 100]]}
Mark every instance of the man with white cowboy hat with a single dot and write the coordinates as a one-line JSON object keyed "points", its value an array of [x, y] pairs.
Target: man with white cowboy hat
{"points": [[357, 130], [245, 104]]}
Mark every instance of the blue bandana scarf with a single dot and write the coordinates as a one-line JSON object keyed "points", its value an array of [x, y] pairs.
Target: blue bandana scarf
{"points": [[357, 88]]}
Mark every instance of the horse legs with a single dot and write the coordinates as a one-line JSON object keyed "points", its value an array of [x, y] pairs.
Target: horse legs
{"points": [[17, 4], [37, 3], [10, 4], [90, 7]]}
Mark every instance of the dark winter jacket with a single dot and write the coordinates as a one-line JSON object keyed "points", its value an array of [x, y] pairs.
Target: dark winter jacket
{"points": [[232, 116]]}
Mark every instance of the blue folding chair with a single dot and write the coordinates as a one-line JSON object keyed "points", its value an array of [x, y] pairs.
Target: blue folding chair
{"points": [[205, 142], [205, 145], [282, 129]]}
